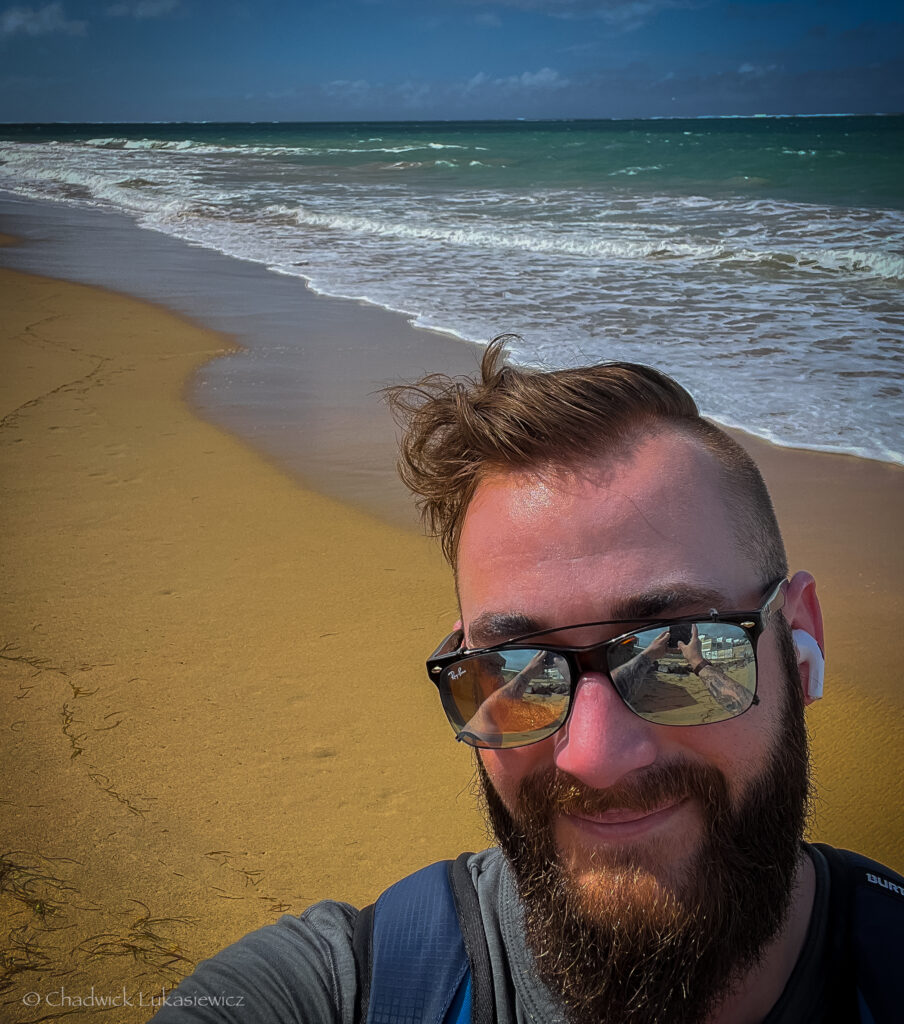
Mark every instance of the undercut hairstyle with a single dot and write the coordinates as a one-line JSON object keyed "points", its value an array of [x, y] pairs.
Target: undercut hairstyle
{"points": [[458, 431]]}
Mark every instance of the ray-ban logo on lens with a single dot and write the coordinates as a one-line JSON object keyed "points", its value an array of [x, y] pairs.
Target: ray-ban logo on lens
{"points": [[456, 673]]}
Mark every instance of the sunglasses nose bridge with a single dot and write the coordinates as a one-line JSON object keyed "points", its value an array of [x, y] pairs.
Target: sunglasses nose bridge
{"points": [[594, 659]]}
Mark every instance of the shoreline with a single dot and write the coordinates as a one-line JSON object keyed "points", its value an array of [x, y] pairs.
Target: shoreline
{"points": [[322, 359], [196, 722], [353, 341]]}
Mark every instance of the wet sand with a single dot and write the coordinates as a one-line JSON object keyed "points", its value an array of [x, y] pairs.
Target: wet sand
{"points": [[203, 664]]}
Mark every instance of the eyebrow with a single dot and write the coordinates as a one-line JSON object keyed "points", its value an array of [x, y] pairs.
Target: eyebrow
{"points": [[490, 628], [669, 599]]}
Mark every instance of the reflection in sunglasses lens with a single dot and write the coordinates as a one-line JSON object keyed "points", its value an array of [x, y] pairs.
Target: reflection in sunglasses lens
{"points": [[655, 674], [507, 698], [678, 675]]}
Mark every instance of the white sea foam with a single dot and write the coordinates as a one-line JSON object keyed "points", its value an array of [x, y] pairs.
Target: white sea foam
{"points": [[879, 264], [784, 317], [235, 149], [631, 171]]}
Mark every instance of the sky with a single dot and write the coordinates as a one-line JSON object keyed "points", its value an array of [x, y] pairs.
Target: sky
{"points": [[326, 60]]}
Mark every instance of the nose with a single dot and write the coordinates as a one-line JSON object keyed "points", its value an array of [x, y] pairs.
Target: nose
{"points": [[603, 740]]}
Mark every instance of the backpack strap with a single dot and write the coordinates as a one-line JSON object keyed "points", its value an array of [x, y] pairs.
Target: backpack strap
{"points": [[362, 938], [842, 999], [410, 954], [470, 921], [867, 927]]}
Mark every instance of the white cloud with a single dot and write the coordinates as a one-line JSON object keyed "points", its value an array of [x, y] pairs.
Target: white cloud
{"points": [[378, 95], [545, 78], [142, 8], [39, 21], [756, 70], [344, 89], [475, 82]]}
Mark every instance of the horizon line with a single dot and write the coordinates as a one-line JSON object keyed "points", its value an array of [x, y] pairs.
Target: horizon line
{"points": [[472, 120]]}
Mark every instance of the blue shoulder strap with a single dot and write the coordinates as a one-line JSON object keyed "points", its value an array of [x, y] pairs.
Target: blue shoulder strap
{"points": [[419, 966]]}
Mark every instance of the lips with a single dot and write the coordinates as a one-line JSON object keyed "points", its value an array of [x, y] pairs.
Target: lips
{"points": [[619, 815], [623, 822]]}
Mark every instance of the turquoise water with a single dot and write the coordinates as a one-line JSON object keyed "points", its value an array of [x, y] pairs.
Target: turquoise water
{"points": [[759, 260], [838, 160]]}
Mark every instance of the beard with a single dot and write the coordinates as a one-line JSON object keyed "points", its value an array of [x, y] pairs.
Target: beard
{"points": [[634, 945]]}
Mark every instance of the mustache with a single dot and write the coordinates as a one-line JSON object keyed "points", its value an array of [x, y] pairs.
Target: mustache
{"points": [[551, 791]]}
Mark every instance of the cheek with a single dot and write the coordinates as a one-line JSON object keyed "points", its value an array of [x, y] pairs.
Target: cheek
{"points": [[739, 749], [507, 769]]}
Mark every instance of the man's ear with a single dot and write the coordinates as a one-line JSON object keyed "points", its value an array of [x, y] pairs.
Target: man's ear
{"points": [[805, 618]]}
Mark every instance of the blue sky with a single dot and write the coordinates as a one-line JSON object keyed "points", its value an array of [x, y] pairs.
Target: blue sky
{"points": [[142, 60]]}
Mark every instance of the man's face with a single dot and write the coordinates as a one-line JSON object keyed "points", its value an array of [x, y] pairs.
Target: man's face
{"points": [[634, 806]]}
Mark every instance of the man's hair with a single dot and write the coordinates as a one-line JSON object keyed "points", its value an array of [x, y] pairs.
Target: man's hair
{"points": [[457, 431]]}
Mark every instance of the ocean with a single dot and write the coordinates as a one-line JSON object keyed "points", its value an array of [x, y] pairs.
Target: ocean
{"points": [[760, 261]]}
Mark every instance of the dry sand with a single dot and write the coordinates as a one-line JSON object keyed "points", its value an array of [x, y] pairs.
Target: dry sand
{"points": [[203, 665], [197, 653]]}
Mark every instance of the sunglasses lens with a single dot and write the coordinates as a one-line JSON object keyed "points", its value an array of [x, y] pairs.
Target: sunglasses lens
{"points": [[506, 698], [652, 672], [511, 698]]}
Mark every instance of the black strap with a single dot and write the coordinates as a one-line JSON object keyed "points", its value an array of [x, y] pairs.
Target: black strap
{"points": [[362, 939], [483, 1004], [840, 960]]}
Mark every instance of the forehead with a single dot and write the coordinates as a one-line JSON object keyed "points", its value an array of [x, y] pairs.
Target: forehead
{"points": [[565, 546]]}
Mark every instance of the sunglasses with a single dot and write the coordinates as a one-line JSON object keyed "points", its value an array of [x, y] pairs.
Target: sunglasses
{"points": [[694, 670]]}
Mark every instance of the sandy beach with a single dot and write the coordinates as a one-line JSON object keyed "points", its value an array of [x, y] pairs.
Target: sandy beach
{"points": [[214, 708], [204, 667]]}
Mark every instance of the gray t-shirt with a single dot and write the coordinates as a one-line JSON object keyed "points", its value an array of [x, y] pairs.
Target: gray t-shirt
{"points": [[302, 969]]}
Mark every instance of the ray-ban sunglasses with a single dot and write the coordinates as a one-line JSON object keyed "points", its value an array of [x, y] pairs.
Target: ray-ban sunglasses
{"points": [[693, 670]]}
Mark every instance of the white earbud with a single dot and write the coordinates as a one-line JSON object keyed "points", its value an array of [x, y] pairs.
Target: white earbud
{"points": [[808, 653]]}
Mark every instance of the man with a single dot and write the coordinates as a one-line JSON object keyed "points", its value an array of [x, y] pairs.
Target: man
{"points": [[632, 666]]}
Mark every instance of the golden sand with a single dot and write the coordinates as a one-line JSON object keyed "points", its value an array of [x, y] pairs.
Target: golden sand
{"points": [[196, 658], [197, 653]]}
